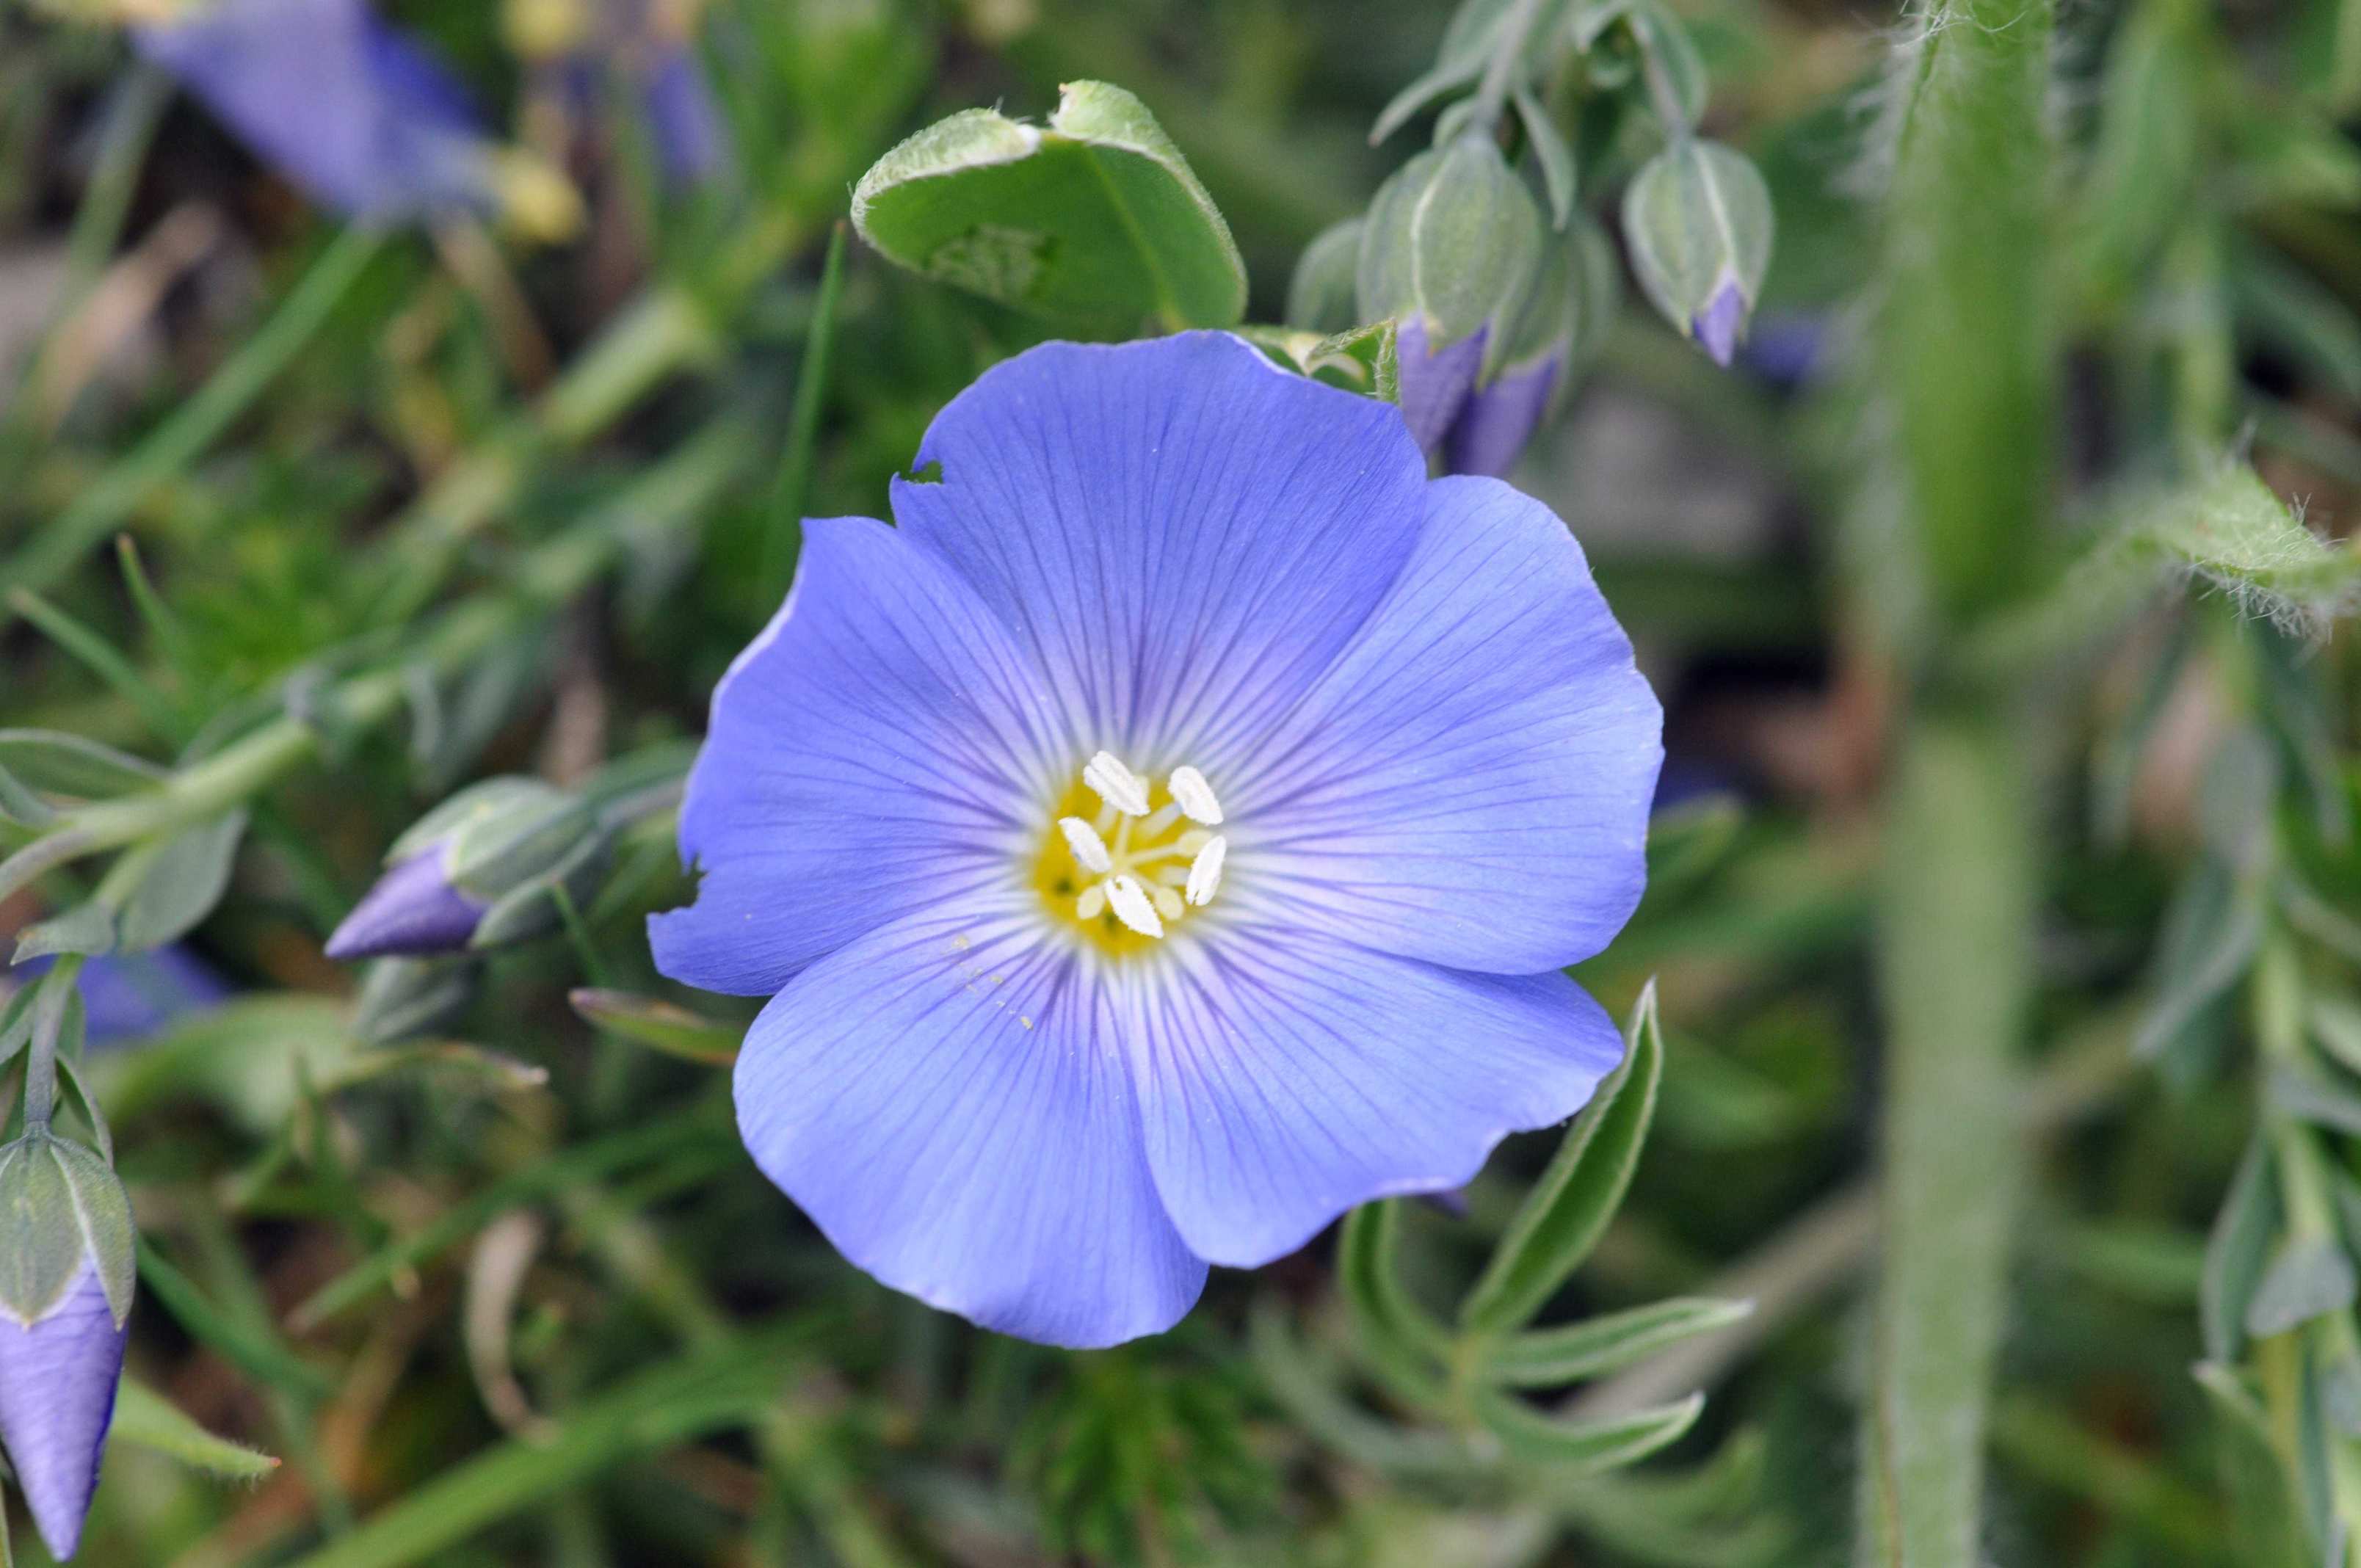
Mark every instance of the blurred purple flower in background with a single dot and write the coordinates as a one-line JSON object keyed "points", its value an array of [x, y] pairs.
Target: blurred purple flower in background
{"points": [[649, 46], [359, 117], [1048, 1035], [129, 996]]}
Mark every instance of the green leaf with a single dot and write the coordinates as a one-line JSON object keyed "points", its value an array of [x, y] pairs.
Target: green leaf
{"points": [[145, 1419], [183, 881], [2234, 1254], [1563, 1217], [55, 763], [2308, 1278], [1552, 1357], [676, 1031], [2309, 1097], [2211, 934], [1603, 1444], [1093, 222], [1404, 1344], [2231, 530], [1320, 296], [86, 928]]}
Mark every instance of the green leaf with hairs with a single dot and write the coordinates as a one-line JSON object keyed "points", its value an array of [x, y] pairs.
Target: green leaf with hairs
{"points": [[1093, 221]]}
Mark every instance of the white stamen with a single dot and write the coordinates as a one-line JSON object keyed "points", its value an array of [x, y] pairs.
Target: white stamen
{"points": [[1191, 842], [1168, 903], [1088, 847], [1173, 876], [1196, 797], [1093, 904], [1116, 784], [1131, 905], [1205, 872]]}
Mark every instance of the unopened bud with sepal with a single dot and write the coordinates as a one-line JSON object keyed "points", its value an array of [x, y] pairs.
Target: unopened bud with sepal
{"points": [[1565, 319], [68, 1267], [482, 869], [1698, 220], [1448, 250]]}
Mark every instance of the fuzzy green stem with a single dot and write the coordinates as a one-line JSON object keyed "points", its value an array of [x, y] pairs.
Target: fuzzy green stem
{"points": [[1955, 970]]}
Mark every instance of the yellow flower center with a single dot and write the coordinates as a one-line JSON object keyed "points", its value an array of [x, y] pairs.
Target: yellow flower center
{"points": [[1125, 860]]}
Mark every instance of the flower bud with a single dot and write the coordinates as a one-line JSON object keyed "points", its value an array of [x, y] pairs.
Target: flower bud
{"points": [[1448, 250], [1563, 320], [1697, 219], [478, 871], [401, 999], [66, 1271]]}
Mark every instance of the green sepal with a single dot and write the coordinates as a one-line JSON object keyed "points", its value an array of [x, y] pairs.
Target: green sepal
{"points": [[1698, 216], [61, 1210], [530, 907], [2307, 1278], [477, 803], [1452, 241], [1319, 297], [102, 1212], [1093, 222], [403, 998]]}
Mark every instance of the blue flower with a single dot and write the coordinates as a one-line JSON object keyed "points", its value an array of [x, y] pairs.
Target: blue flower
{"points": [[1166, 838], [57, 1378], [356, 116]]}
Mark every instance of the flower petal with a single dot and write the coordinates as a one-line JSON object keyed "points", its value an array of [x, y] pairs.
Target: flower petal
{"points": [[1286, 1076], [948, 1100], [57, 1399], [1434, 382], [877, 750], [1182, 533], [1498, 420], [1469, 783]]}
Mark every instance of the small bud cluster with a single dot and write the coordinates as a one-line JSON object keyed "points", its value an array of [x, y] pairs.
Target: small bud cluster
{"points": [[1497, 307]]}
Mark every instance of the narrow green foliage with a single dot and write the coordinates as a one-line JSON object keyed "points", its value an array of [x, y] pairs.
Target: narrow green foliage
{"points": [[786, 524], [1553, 1357], [660, 1026], [145, 1419], [1607, 1443], [1564, 1216]]}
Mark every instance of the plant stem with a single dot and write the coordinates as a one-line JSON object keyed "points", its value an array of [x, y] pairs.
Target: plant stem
{"points": [[1956, 973]]}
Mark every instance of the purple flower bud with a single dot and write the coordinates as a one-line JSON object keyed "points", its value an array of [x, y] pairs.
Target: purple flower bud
{"points": [[681, 112], [1491, 431], [57, 1378], [413, 911], [1434, 384], [357, 117], [1718, 326], [128, 996]]}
